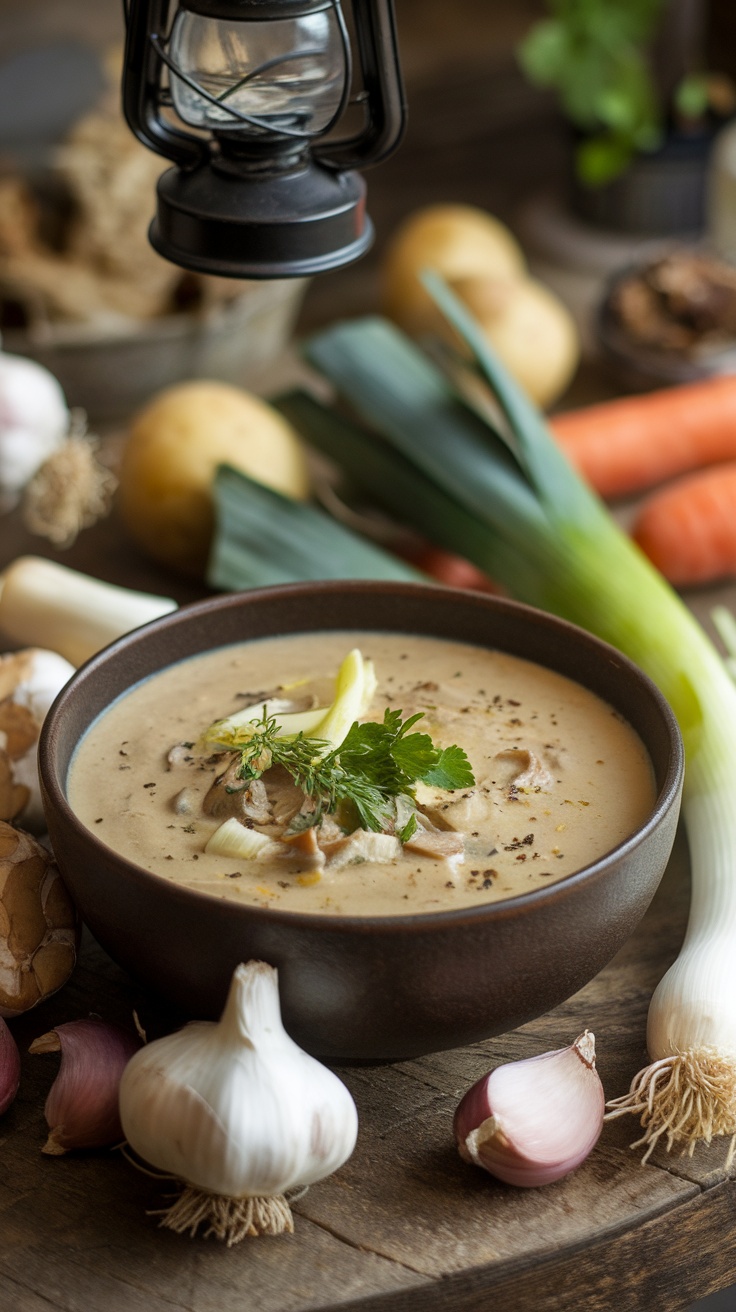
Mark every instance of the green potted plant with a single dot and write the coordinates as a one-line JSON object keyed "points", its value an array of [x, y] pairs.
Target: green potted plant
{"points": [[632, 84]]}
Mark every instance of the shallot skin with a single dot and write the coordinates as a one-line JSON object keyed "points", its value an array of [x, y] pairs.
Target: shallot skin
{"points": [[9, 1067], [82, 1108], [532, 1122]]}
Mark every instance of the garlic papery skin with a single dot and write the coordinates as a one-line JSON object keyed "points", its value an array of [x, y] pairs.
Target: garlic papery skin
{"points": [[9, 1067], [34, 420], [29, 682], [237, 1112], [531, 1122], [82, 1105]]}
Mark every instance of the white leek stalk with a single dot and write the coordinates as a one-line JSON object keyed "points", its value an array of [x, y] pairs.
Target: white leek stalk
{"points": [[354, 688], [688, 1092], [43, 604], [237, 728], [231, 838], [506, 498]]}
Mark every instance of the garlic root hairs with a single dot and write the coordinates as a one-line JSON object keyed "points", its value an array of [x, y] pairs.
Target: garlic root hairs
{"points": [[229, 1219], [685, 1097]]}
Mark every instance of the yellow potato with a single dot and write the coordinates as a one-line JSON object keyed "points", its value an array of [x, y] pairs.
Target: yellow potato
{"points": [[530, 329], [173, 449], [456, 241]]}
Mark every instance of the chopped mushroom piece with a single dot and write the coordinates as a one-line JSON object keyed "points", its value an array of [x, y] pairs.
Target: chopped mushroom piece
{"points": [[305, 845], [285, 797], [454, 810], [255, 803], [229, 796], [180, 754], [441, 845], [330, 835], [526, 769], [363, 845], [184, 802]]}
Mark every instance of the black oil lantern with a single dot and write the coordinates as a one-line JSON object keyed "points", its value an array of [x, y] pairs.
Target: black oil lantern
{"points": [[262, 186]]}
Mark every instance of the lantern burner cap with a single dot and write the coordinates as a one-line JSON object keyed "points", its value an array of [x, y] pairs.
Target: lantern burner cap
{"points": [[280, 225]]}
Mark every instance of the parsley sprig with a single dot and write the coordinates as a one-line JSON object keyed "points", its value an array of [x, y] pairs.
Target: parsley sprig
{"points": [[373, 772]]}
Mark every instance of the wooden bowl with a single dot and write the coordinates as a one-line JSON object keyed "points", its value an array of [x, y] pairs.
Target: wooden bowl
{"points": [[367, 988]]}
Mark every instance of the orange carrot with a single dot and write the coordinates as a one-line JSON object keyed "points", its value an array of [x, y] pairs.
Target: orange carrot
{"points": [[455, 571], [688, 530], [634, 442]]}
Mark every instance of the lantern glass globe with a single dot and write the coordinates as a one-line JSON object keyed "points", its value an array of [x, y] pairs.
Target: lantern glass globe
{"points": [[287, 75]]}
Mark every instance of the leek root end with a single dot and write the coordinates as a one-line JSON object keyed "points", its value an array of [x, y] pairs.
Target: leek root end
{"points": [[683, 1098]]}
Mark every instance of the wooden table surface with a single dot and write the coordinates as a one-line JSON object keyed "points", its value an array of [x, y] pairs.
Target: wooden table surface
{"points": [[405, 1225]]}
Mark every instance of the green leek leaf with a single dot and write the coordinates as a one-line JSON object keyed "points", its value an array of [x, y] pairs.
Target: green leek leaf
{"points": [[263, 538]]}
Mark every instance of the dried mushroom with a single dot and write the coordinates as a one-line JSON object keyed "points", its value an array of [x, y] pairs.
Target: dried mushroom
{"points": [[39, 933], [683, 302]]}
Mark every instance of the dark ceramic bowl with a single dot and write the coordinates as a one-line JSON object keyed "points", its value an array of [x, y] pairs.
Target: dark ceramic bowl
{"points": [[382, 987]]}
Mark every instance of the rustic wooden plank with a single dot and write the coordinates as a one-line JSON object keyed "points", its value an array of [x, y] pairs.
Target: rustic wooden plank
{"points": [[631, 1271], [409, 1197], [96, 1262], [75, 1231]]}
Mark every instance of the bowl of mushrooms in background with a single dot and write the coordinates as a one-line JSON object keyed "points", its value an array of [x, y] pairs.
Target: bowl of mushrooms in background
{"points": [[669, 319], [295, 668]]}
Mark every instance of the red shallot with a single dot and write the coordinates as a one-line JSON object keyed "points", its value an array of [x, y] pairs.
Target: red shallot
{"points": [[9, 1067], [531, 1122], [82, 1105]]}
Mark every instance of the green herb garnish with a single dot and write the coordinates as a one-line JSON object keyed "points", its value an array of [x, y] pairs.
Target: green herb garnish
{"points": [[371, 774]]}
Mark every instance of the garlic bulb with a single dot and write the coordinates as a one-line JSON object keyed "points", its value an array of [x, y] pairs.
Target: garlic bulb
{"points": [[531, 1122], [29, 682], [81, 1109], [238, 1113], [34, 420]]}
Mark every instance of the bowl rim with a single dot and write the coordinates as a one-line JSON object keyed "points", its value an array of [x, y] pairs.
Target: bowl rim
{"points": [[428, 921]]}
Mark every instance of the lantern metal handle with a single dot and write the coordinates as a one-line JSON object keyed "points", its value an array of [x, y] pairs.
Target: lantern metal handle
{"points": [[141, 91], [383, 95]]}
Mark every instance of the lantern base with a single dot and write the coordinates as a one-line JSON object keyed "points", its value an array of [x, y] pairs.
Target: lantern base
{"points": [[259, 225]]}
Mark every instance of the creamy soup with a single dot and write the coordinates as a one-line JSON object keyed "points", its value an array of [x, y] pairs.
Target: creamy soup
{"points": [[560, 778]]}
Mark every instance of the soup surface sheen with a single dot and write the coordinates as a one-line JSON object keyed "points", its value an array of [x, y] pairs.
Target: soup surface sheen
{"points": [[560, 777]]}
